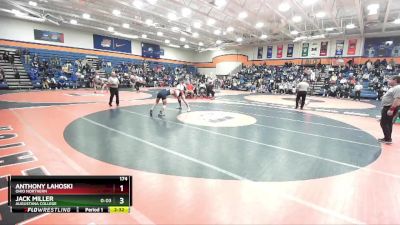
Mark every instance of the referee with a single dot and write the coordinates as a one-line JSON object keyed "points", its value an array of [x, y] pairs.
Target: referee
{"points": [[302, 89], [113, 83], [390, 103]]}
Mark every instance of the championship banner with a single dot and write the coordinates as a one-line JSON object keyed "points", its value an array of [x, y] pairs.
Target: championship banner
{"points": [[304, 51], [260, 52], [314, 49], [111, 44], [280, 51], [351, 50], [45, 35], [269, 51], [290, 50], [339, 47], [324, 49]]}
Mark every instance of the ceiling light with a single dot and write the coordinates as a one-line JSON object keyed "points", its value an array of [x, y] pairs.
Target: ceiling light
{"points": [[172, 16], [175, 29], [309, 2], [125, 25], [396, 21], [201, 43], [116, 12], [320, 14], [223, 32], [350, 26], [186, 46], [149, 22], [294, 32], [138, 4], [111, 29], [329, 29], [197, 24], [195, 34], [230, 29], [86, 16], [259, 24], [217, 32], [373, 7], [242, 15], [159, 33], [126, 35], [182, 39], [264, 36], [239, 39], [175, 46], [220, 3], [144, 36], [167, 41], [153, 2], [283, 7], [218, 42], [186, 12], [296, 19], [73, 22], [32, 3], [210, 22], [372, 12]]}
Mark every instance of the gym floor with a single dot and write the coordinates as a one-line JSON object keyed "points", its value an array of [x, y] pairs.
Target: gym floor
{"points": [[240, 159]]}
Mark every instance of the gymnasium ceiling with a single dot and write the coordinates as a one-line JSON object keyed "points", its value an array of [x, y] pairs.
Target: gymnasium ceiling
{"points": [[188, 22]]}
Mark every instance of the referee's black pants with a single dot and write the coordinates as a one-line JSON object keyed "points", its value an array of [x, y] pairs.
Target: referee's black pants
{"points": [[387, 123], [302, 95], [114, 91]]}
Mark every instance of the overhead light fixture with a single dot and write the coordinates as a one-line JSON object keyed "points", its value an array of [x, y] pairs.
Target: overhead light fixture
{"points": [[182, 39], [153, 2], [294, 32], [149, 22], [263, 36], [126, 35], [210, 22], [186, 46], [186, 12], [125, 25], [111, 29], [197, 24], [350, 26], [18, 13], [116, 12], [159, 33], [220, 3], [86, 16], [217, 32], [167, 41], [239, 39], [396, 21], [172, 16], [284, 7], [175, 29], [175, 46], [32, 3], [296, 19], [372, 12], [73, 22], [329, 29], [230, 29], [195, 34], [138, 4], [224, 33], [259, 24], [373, 7], [309, 2], [242, 15], [144, 36], [320, 14], [201, 43], [218, 42]]}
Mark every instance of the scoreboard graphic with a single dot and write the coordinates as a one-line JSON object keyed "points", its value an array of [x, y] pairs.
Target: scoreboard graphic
{"points": [[70, 194]]}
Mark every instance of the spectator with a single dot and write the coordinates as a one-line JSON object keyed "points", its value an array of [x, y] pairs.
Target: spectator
{"points": [[357, 91]]}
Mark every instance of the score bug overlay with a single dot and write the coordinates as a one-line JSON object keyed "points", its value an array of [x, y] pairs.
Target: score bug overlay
{"points": [[66, 194]]}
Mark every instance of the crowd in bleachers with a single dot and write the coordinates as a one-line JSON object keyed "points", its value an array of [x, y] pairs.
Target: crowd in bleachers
{"points": [[335, 81]]}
